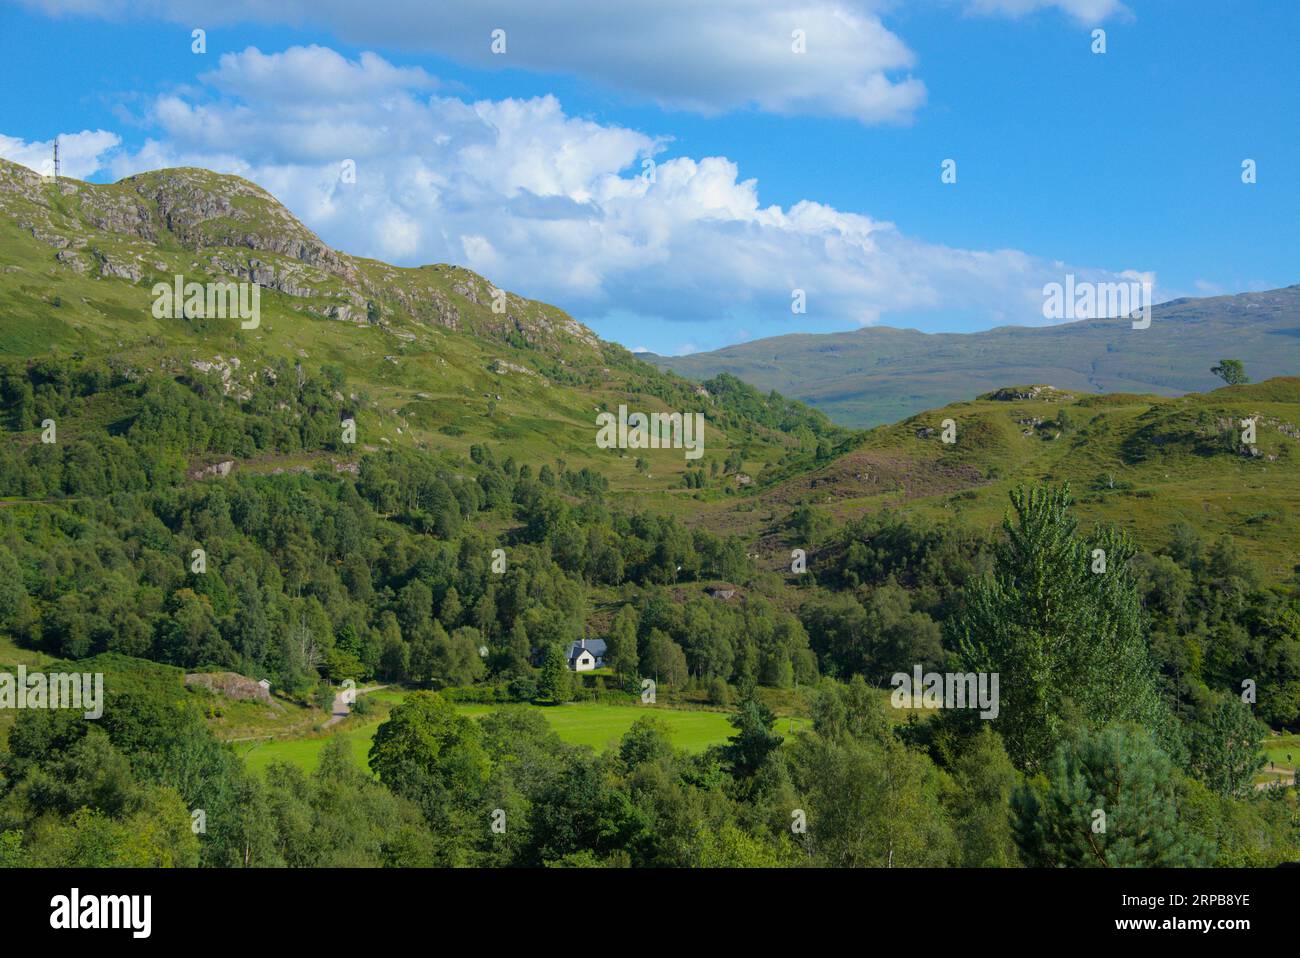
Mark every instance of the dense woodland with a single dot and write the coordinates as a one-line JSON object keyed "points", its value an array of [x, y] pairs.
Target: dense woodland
{"points": [[1120, 691]]}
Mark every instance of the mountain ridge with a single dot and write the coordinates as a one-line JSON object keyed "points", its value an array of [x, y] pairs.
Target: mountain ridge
{"points": [[878, 375]]}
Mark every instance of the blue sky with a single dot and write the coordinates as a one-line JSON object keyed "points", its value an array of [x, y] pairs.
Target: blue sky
{"points": [[774, 170]]}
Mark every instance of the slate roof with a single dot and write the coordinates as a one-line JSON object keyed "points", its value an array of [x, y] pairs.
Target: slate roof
{"points": [[595, 646]]}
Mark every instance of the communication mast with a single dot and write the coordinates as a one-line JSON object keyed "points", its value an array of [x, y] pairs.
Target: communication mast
{"points": [[56, 159]]}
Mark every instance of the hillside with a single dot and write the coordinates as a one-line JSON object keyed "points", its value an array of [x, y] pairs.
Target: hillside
{"points": [[877, 375], [428, 366], [1144, 463], [434, 357]]}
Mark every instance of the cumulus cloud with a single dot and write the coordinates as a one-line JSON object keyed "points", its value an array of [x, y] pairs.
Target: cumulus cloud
{"points": [[594, 217]]}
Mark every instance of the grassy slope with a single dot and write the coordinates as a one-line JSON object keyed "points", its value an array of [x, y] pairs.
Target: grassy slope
{"points": [[1140, 461]]}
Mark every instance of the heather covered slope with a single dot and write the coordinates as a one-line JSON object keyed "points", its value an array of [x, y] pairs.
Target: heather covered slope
{"points": [[1142, 462]]}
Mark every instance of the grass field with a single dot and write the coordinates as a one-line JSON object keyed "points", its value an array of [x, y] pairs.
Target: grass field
{"points": [[580, 723]]}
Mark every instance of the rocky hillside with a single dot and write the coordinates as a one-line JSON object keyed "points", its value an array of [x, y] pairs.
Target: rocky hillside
{"points": [[207, 226]]}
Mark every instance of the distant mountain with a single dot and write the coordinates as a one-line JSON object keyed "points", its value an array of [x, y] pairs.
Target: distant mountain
{"points": [[878, 375]]}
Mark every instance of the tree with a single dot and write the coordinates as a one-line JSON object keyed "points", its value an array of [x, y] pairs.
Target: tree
{"points": [[451, 611], [1231, 371], [620, 644], [13, 596], [755, 739], [984, 779], [394, 654], [648, 740], [457, 658], [1063, 639], [872, 805], [848, 710], [189, 635], [342, 664], [431, 754], [555, 684], [323, 697], [664, 659], [1110, 800], [517, 649], [808, 526], [1225, 748]]}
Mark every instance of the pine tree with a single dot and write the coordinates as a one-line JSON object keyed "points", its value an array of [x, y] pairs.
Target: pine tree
{"points": [[1064, 638], [1110, 800], [755, 736], [556, 682]]}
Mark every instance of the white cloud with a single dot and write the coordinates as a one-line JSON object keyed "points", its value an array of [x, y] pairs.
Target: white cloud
{"points": [[706, 57], [557, 207], [80, 154], [314, 74]]}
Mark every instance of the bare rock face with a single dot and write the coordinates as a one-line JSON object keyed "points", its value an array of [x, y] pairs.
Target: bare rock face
{"points": [[70, 259], [503, 367], [1022, 393], [119, 213], [203, 210], [128, 269], [218, 469], [232, 685]]}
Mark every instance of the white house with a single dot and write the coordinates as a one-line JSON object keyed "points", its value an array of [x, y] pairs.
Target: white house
{"points": [[586, 654]]}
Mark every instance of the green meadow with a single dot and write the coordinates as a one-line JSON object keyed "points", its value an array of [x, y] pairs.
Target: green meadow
{"points": [[579, 723]]}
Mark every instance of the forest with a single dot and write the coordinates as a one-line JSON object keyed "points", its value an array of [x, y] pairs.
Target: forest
{"points": [[465, 579]]}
